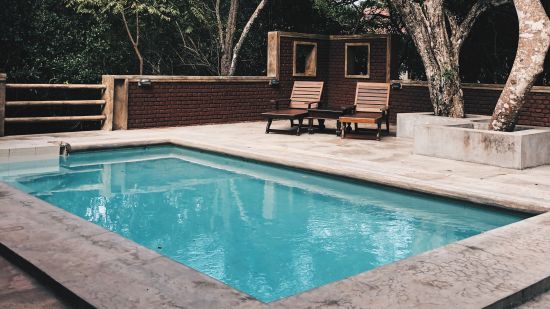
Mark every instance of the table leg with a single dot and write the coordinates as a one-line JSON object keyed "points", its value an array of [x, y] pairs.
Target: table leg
{"points": [[338, 128], [321, 124]]}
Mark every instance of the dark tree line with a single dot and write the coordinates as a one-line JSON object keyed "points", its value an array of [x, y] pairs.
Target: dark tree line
{"points": [[47, 41]]}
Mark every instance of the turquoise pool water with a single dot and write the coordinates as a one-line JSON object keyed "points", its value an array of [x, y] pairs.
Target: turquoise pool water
{"points": [[267, 231]]}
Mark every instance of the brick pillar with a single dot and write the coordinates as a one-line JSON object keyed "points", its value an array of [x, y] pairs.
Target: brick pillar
{"points": [[2, 102]]}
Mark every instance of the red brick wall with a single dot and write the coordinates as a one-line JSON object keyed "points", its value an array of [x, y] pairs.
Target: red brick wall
{"points": [[341, 90], [536, 111], [287, 63], [192, 103]]}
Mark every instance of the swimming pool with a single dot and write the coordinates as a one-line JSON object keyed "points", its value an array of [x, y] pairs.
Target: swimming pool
{"points": [[268, 231]]}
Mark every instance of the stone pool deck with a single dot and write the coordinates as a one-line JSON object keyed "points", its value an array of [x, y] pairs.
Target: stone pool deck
{"points": [[503, 267]]}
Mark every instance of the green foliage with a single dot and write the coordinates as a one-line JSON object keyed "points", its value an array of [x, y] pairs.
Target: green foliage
{"points": [[163, 9], [46, 41], [55, 45]]}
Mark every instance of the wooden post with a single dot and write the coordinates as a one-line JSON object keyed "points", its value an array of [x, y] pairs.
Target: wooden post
{"points": [[2, 102], [108, 95], [273, 54], [120, 104]]}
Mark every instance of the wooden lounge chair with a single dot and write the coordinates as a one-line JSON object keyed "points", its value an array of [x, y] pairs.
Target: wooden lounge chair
{"points": [[371, 106], [304, 95]]}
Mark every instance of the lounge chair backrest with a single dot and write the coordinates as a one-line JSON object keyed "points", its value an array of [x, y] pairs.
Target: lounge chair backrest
{"points": [[372, 97], [304, 93]]}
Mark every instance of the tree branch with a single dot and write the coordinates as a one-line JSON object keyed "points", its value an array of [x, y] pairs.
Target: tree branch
{"points": [[244, 35]]}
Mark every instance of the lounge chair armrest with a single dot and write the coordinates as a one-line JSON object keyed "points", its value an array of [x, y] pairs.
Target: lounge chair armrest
{"points": [[277, 101], [311, 103]]}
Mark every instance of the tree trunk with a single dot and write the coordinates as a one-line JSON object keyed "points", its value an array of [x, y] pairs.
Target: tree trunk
{"points": [[534, 41], [439, 36], [225, 63], [229, 52], [446, 95], [244, 34]]}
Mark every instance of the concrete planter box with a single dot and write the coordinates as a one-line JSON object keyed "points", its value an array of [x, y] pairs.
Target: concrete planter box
{"points": [[469, 140]]}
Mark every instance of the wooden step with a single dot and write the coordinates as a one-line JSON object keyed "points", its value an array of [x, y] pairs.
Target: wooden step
{"points": [[55, 86], [55, 118], [71, 102]]}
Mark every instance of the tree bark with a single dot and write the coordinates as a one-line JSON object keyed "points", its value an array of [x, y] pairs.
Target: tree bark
{"points": [[244, 35], [533, 45], [229, 51], [439, 36]]}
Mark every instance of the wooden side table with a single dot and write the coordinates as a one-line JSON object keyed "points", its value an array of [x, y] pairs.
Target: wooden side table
{"points": [[328, 112]]}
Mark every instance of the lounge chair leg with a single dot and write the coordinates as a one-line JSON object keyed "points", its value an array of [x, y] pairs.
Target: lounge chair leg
{"points": [[291, 123], [338, 128], [268, 125], [310, 126], [300, 122], [356, 127], [379, 124], [343, 132], [388, 124]]}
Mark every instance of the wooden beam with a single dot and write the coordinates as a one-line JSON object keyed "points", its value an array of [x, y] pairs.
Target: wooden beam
{"points": [[120, 105], [108, 96], [55, 86], [55, 118], [70, 102], [3, 78], [193, 79], [273, 54]]}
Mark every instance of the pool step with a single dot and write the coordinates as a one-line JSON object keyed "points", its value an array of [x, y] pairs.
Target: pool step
{"points": [[28, 151]]}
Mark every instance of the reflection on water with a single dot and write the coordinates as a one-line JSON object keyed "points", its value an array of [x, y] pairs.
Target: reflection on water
{"points": [[267, 231]]}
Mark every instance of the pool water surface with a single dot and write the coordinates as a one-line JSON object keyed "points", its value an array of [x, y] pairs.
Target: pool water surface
{"points": [[268, 231]]}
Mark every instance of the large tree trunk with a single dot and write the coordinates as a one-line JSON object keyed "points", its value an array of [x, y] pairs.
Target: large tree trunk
{"points": [[534, 41], [439, 36], [446, 95]]}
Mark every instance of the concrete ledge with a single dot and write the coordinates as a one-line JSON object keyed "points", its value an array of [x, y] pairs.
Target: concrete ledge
{"points": [[28, 151], [407, 122], [470, 140]]}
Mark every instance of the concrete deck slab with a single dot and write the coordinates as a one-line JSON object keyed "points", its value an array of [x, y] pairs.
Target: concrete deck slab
{"points": [[503, 267]]}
